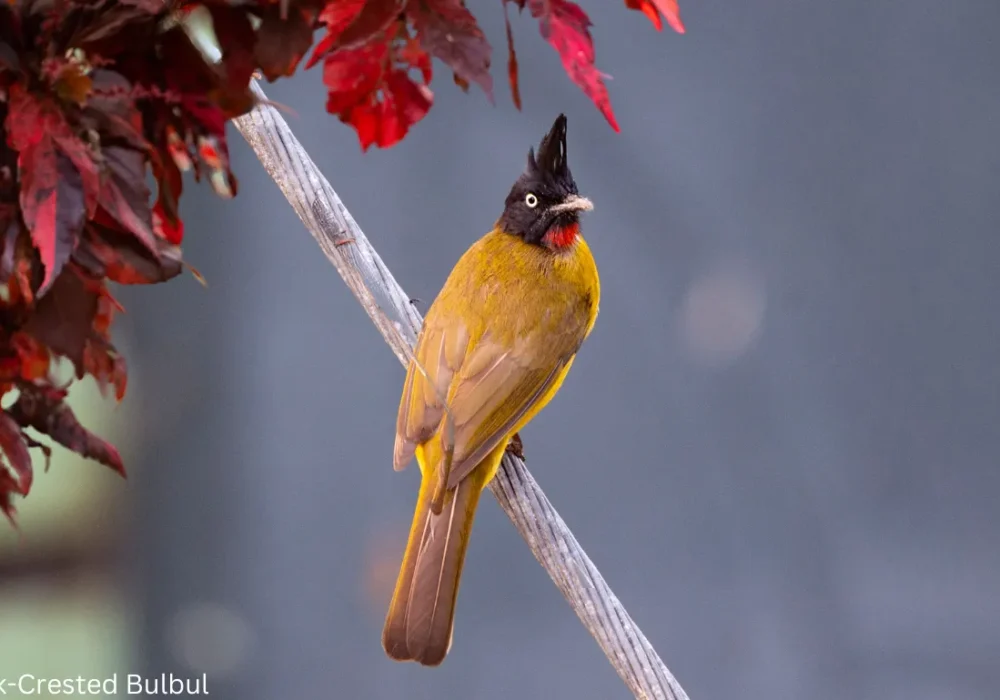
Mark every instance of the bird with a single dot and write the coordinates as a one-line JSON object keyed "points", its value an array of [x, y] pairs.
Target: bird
{"points": [[495, 346]]}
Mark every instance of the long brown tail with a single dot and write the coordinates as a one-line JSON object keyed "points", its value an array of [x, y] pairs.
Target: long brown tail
{"points": [[419, 624]]}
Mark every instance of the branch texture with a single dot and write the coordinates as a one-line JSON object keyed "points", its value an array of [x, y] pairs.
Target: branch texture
{"points": [[548, 536]]}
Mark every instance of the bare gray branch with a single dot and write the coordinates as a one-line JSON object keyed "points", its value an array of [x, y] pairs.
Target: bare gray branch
{"points": [[548, 536]]}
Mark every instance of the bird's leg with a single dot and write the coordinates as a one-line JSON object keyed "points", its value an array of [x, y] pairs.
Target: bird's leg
{"points": [[515, 447]]}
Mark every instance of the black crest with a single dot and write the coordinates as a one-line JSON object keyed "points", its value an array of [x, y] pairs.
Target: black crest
{"points": [[548, 178], [551, 159], [550, 166]]}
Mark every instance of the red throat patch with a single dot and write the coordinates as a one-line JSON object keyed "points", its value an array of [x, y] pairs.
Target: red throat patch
{"points": [[562, 236]]}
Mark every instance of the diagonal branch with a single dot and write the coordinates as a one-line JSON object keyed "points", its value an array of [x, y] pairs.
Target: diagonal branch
{"points": [[548, 536]]}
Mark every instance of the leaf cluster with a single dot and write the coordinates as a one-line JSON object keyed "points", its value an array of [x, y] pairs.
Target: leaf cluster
{"points": [[94, 96], [105, 104]]}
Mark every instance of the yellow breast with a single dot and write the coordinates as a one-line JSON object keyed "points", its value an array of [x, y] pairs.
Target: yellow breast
{"points": [[517, 286]]}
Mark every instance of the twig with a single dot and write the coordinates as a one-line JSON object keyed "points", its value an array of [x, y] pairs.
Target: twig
{"points": [[548, 536]]}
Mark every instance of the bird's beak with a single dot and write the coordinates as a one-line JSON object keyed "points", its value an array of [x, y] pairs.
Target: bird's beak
{"points": [[573, 203]]}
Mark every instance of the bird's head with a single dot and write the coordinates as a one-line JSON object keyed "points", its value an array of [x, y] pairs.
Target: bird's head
{"points": [[543, 206]]}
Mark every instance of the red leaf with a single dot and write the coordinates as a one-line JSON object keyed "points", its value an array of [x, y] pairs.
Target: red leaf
{"points": [[281, 43], [34, 357], [52, 204], [364, 117], [125, 196], [207, 117], [412, 101], [207, 126], [31, 121], [63, 319], [152, 7], [566, 27], [110, 253], [9, 60], [170, 228], [647, 8], [515, 89], [374, 19], [669, 8], [114, 20], [672, 12], [107, 367], [412, 55], [45, 411], [337, 16], [112, 112], [59, 180], [10, 231], [369, 88], [186, 73], [166, 218], [28, 120], [448, 31], [16, 452], [24, 277], [7, 487], [235, 36], [352, 75]]}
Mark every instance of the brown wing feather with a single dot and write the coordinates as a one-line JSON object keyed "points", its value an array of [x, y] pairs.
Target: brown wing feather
{"points": [[440, 352], [497, 385], [496, 418]]}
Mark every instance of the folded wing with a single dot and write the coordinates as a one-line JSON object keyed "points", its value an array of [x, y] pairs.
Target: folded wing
{"points": [[490, 385]]}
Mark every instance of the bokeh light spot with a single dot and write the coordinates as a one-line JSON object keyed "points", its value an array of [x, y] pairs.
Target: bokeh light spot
{"points": [[209, 638], [722, 313]]}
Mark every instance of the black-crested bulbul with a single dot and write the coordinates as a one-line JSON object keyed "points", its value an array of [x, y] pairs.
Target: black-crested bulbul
{"points": [[496, 345]]}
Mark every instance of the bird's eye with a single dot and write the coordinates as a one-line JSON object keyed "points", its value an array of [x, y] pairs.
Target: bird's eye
{"points": [[531, 200]]}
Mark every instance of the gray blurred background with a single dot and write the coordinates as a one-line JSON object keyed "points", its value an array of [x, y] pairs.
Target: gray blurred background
{"points": [[780, 444]]}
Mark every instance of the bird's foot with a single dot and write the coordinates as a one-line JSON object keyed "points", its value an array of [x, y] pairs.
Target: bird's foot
{"points": [[516, 447]]}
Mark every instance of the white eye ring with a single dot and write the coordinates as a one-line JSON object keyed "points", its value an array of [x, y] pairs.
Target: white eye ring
{"points": [[531, 200]]}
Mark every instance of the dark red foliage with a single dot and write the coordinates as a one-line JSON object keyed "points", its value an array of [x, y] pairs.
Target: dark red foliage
{"points": [[567, 27], [371, 89], [282, 41], [515, 89], [449, 32], [370, 48], [15, 451], [95, 96], [45, 410], [654, 8]]}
